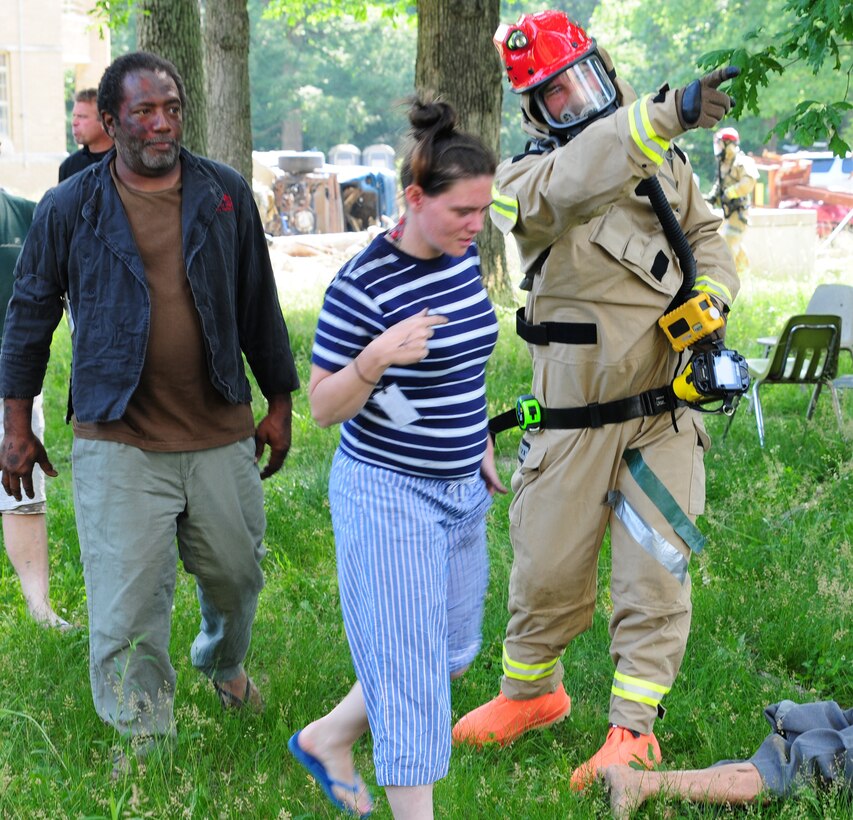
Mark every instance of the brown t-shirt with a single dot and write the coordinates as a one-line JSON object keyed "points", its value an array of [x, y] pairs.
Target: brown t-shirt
{"points": [[175, 407]]}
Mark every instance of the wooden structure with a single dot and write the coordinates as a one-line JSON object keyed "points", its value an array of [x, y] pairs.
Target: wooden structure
{"points": [[788, 178], [789, 186]]}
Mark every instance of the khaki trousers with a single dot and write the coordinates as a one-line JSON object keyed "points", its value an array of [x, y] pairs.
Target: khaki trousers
{"points": [[132, 506], [558, 518]]}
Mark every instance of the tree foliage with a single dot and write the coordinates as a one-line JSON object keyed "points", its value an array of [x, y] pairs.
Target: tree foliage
{"points": [[323, 11], [817, 34], [338, 83], [336, 67], [667, 41]]}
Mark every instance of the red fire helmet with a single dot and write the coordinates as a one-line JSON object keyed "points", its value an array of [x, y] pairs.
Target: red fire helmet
{"points": [[539, 46], [727, 135]]}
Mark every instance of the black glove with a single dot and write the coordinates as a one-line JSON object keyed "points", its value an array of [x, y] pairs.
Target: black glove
{"points": [[701, 104]]}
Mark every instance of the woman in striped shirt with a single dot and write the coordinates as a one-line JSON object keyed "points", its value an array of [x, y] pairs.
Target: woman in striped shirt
{"points": [[399, 361]]}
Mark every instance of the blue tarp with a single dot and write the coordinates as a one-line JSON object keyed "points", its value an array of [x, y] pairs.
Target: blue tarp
{"points": [[376, 180]]}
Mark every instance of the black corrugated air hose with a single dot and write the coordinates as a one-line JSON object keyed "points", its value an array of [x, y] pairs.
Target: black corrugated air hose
{"points": [[675, 236]]}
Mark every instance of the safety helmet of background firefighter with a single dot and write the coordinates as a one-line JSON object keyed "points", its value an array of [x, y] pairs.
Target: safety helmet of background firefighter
{"points": [[548, 46], [724, 139]]}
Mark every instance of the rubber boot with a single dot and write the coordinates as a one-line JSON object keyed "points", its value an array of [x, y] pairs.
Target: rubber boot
{"points": [[503, 720], [621, 747]]}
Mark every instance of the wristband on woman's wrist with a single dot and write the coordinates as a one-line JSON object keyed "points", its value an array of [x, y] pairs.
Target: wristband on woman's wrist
{"points": [[360, 374]]}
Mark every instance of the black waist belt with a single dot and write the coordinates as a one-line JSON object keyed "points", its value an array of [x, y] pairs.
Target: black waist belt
{"points": [[651, 403], [567, 333]]}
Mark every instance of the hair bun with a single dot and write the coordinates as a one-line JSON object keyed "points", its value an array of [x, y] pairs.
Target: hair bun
{"points": [[431, 117]]}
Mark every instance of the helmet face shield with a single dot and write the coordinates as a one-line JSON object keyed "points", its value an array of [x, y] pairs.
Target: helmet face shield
{"points": [[580, 92]]}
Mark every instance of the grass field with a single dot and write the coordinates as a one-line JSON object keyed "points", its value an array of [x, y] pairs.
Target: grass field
{"points": [[773, 619]]}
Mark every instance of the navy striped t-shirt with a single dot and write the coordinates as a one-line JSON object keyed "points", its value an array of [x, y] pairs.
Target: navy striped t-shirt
{"points": [[375, 290]]}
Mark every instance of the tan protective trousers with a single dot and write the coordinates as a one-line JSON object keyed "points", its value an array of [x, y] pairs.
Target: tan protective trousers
{"points": [[733, 230], [558, 519]]}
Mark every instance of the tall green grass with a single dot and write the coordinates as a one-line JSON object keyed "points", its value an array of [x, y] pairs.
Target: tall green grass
{"points": [[772, 619]]}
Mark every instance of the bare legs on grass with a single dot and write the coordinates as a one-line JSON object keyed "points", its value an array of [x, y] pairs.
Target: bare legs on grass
{"points": [[735, 783], [25, 537], [330, 739]]}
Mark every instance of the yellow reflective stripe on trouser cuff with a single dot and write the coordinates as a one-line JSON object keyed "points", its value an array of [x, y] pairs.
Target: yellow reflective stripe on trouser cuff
{"points": [[708, 285], [527, 671], [637, 689], [506, 206], [665, 553], [642, 132]]}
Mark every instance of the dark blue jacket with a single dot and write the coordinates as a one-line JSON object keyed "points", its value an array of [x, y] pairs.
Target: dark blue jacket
{"points": [[80, 243]]}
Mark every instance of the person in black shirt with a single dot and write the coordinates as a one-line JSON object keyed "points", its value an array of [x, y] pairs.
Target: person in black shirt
{"points": [[88, 132]]}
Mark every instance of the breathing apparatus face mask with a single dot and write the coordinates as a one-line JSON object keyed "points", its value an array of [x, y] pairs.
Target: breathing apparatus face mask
{"points": [[722, 148], [575, 95]]}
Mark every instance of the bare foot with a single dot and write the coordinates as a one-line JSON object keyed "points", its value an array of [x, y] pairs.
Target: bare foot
{"points": [[337, 759], [627, 792], [45, 616]]}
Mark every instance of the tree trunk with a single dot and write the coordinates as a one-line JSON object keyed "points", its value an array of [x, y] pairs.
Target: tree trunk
{"points": [[456, 60], [226, 51], [172, 29]]}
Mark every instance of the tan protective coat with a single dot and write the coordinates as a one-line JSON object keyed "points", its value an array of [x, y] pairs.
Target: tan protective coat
{"points": [[579, 200]]}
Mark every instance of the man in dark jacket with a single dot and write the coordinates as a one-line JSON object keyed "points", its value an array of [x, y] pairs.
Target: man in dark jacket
{"points": [[169, 282]]}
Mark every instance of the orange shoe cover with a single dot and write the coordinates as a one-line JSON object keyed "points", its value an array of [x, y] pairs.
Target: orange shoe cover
{"points": [[620, 747], [503, 720]]}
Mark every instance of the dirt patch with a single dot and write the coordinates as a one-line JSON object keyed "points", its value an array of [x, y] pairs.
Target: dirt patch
{"points": [[305, 265]]}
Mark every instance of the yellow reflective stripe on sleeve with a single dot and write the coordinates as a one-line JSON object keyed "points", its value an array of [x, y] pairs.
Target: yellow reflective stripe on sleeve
{"points": [[526, 671], [636, 689], [505, 206], [708, 285], [642, 132], [650, 131]]}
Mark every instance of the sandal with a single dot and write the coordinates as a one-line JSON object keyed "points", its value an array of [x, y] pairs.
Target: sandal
{"points": [[317, 770], [251, 700]]}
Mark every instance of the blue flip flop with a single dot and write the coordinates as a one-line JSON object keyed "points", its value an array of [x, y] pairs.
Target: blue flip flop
{"points": [[318, 771]]}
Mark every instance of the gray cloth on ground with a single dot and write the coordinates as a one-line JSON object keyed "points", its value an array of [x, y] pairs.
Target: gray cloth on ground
{"points": [[810, 743]]}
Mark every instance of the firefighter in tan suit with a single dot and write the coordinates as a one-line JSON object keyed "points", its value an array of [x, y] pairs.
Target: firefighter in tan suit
{"points": [[737, 174], [613, 449]]}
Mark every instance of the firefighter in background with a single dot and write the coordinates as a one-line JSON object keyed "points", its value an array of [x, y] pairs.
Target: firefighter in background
{"points": [[612, 448], [736, 178]]}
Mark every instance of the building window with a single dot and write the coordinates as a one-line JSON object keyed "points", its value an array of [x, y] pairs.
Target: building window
{"points": [[5, 119]]}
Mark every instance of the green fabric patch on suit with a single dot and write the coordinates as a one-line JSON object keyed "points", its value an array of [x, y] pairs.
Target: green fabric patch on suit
{"points": [[654, 488]]}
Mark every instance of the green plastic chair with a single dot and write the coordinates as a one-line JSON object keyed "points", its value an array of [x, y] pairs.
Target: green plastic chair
{"points": [[827, 299], [806, 352]]}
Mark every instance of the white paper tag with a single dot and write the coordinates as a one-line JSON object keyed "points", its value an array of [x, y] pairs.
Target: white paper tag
{"points": [[396, 406]]}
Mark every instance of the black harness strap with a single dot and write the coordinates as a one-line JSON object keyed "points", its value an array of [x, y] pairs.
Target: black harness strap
{"points": [[567, 333], [503, 421], [651, 403]]}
